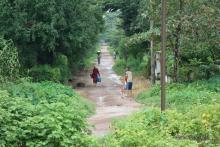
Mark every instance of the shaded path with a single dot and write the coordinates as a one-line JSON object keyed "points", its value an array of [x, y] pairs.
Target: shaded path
{"points": [[107, 96]]}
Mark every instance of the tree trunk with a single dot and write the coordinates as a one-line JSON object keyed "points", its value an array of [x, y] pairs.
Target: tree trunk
{"points": [[176, 57], [176, 49], [152, 57]]}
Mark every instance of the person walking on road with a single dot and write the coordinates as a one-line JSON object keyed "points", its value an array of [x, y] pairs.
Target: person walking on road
{"points": [[128, 76], [99, 57], [124, 87], [115, 54], [95, 76]]}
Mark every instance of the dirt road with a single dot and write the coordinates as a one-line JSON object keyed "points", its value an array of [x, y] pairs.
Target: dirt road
{"points": [[106, 96]]}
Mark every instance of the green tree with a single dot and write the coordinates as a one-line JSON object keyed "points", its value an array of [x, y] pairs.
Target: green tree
{"points": [[41, 29], [193, 46]]}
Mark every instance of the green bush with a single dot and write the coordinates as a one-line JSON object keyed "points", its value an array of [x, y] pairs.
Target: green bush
{"points": [[199, 72], [150, 127], [45, 73], [120, 67], [191, 119], [61, 62], [143, 129], [138, 66], [184, 96], [89, 58], [43, 114], [9, 63], [47, 91]]}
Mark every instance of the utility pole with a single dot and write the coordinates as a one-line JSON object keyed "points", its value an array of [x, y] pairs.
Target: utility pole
{"points": [[163, 54]]}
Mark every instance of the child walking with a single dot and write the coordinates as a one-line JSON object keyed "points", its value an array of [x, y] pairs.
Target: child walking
{"points": [[124, 87]]}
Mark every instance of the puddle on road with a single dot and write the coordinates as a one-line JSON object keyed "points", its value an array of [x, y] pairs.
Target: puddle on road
{"points": [[115, 78], [101, 100], [115, 110], [104, 116], [112, 76]]}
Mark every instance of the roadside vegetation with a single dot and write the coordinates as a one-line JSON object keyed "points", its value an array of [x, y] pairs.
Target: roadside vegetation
{"points": [[184, 96], [39, 113], [191, 119], [197, 127], [43, 114], [37, 54]]}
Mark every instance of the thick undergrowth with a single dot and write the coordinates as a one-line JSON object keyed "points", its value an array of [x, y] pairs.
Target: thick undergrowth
{"points": [[43, 114]]}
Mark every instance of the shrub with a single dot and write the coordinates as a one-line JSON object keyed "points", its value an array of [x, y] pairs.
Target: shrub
{"points": [[120, 67], [45, 73], [47, 91], [9, 63], [43, 114], [215, 80], [202, 124], [184, 96], [144, 128], [201, 72], [150, 127], [138, 66], [61, 62]]}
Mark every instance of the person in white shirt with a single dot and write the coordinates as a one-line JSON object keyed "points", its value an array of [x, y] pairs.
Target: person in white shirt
{"points": [[99, 57], [128, 75]]}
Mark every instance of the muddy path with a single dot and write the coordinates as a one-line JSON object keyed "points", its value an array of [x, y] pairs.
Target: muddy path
{"points": [[106, 96]]}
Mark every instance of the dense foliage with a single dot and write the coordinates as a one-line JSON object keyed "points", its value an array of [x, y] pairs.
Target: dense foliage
{"points": [[42, 114], [185, 96], [9, 63], [192, 118], [192, 31], [115, 36], [198, 127], [44, 30]]}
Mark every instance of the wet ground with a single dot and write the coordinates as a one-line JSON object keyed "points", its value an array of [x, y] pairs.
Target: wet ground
{"points": [[106, 96]]}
